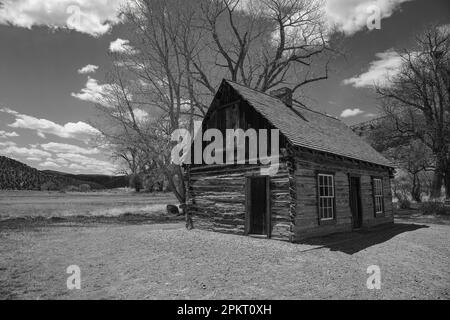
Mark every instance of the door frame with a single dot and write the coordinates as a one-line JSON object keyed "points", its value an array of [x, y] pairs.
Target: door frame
{"points": [[359, 200], [248, 203]]}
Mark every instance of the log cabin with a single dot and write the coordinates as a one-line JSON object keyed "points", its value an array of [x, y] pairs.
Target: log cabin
{"points": [[329, 179]]}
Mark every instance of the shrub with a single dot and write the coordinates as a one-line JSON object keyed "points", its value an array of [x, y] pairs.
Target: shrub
{"points": [[404, 203], [85, 187], [136, 182], [434, 208], [49, 186], [72, 188]]}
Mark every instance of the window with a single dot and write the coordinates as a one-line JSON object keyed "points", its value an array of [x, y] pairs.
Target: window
{"points": [[378, 195], [326, 196]]}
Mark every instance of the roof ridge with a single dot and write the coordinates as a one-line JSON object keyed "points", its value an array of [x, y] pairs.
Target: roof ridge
{"points": [[369, 121], [318, 112], [265, 93]]}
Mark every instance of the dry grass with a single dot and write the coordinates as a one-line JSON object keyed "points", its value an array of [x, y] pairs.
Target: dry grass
{"points": [[168, 262], [415, 215], [33, 204]]}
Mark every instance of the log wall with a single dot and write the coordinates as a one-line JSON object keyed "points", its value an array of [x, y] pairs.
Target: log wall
{"points": [[306, 221], [217, 199], [216, 196]]}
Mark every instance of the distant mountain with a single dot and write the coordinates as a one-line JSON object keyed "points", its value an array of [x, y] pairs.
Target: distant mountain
{"points": [[16, 175], [108, 182]]}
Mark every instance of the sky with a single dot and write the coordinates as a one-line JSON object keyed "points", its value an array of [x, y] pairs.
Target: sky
{"points": [[54, 58]]}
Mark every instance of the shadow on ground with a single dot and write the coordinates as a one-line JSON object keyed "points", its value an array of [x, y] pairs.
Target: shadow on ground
{"points": [[353, 242]]}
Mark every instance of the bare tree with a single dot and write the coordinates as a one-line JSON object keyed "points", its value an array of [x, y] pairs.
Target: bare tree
{"points": [[418, 101], [261, 44], [181, 49], [126, 126], [265, 43]]}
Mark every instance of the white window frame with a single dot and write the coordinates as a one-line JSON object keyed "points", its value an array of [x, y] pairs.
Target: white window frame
{"points": [[328, 197], [378, 195]]}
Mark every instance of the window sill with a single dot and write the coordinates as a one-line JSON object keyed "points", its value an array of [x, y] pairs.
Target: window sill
{"points": [[327, 222], [379, 215]]}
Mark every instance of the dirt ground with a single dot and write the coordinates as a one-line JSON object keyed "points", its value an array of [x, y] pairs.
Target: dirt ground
{"points": [[165, 261]]}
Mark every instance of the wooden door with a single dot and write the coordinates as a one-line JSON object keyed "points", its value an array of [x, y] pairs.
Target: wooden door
{"points": [[258, 206], [355, 201]]}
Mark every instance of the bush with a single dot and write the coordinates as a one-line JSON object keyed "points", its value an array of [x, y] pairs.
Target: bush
{"points": [[404, 203], [85, 187], [49, 186], [434, 208], [136, 182], [72, 188]]}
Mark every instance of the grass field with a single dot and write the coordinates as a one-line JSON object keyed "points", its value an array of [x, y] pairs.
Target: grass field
{"points": [[46, 205]]}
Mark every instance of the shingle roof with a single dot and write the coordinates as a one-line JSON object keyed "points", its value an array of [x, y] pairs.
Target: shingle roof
{"points": [[314, 131]]}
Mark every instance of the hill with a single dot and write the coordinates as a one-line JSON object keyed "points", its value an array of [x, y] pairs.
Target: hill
{"points": [[15, 175], [108, 182]]}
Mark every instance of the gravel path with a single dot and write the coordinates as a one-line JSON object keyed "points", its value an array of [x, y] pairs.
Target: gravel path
{"points": [[165, 261]]}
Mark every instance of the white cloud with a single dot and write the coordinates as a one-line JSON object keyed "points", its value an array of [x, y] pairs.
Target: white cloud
{"points": [[140, 114], [69, 160], [121, 46], [96, 17], [76, 167], [90, 68], [445, 29], [14, 150], [60, 161], [93, 17], [76, 130], [379, 72], [40, 134], [69, 148], [351, 16], [93, 92], [49, 164], [351, 112], [4, 134], [7, 144], [82, 162]]}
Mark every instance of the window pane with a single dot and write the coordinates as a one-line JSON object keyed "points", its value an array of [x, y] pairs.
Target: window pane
{"points": [[326, 196], [378, 194], [378, 186]]}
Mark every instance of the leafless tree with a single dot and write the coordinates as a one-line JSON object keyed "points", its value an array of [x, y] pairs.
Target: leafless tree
{"points": [[418, 100], [181, 49], [126, 126], [262, 44]]}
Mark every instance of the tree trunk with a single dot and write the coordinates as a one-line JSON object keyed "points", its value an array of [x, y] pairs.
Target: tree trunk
{"points": [[438, 178], [436, 185], [447, 183], [181, 196], [416, 189]]}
